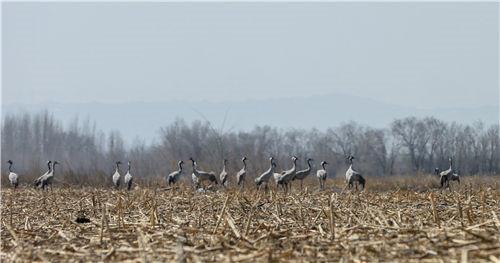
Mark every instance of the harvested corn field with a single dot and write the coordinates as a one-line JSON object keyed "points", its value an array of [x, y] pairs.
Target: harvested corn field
{"points": [[154, 225]]}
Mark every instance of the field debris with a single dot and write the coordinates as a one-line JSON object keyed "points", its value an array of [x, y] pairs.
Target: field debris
{"points": [[184, 225]]}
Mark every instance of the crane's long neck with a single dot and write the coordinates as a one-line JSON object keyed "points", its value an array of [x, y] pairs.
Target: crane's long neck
{"points": [[294, 166], [128, 170], [224, 166], [10, 167], [194, 166], [309, 165], [180, 167], [117, 167], [244, 164], [323, 165], [50, 168], [53, 169], [450, 163]]}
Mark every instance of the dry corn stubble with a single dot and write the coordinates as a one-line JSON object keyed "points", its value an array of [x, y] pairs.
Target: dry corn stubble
{"points": [[227, 225]]}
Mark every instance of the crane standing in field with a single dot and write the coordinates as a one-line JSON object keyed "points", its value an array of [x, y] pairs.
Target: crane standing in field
{"points": [[286, 176], [455, 177], [302, 174], [223, 174], [199, 176], [264, 177], [322, 174], [13, 177], [117, 175], [448, 175], [352, 176], [47, 179], [38, 181], [174, 176], [128, 179], [240, 176]]}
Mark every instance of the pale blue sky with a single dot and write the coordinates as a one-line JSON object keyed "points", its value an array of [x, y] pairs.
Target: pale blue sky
{"points": [[423, 55]]}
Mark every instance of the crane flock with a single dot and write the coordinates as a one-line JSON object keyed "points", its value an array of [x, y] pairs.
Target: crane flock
{"points": [[200, 178]]}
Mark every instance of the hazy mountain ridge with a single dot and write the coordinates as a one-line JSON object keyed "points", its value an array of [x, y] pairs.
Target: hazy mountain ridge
{"points": [[144, 119]]}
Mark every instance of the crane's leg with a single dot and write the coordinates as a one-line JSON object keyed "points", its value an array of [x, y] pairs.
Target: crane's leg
{"points": [[301, 185]]}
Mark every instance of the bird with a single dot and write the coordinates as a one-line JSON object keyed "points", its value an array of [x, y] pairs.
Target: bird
{"points": [[38, 181], [322, 174], [455, 177], [286, 176], [174, 176], [353, 176], [264, 177], [48, 178], [223, 174], [13, 177], [302, 174], [240, 176], [128, 179], [116, 175], [199, 176], [446, 176]]}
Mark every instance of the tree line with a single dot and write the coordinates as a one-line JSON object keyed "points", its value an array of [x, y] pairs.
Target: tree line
{"points": [[408, 146]]}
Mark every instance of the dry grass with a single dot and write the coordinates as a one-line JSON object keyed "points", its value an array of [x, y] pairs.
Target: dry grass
{"points": [[388, 222]]}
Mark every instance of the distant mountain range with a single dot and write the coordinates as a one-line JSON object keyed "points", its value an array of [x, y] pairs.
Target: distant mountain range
{"points": [[143, 119]]}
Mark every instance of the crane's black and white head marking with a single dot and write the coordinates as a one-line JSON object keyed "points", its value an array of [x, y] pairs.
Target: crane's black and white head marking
{"points": [[244, 158], [323, 163], [9, 161], [118, 163]]}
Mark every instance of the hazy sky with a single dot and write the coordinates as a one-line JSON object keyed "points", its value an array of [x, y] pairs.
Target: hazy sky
{"points": [[419, 54]]}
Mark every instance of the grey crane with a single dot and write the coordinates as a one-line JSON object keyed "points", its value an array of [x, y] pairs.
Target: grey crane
{"points": [[199, 176], [128, 179], [302, 174], [264, 177], [117, 175], [13, 177], [286, 176], [47, 179], [455, 177], [223, 174], [38, 181], [240, 176], [322, 174], [446, 176], [353, 177], [174, 176]]}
